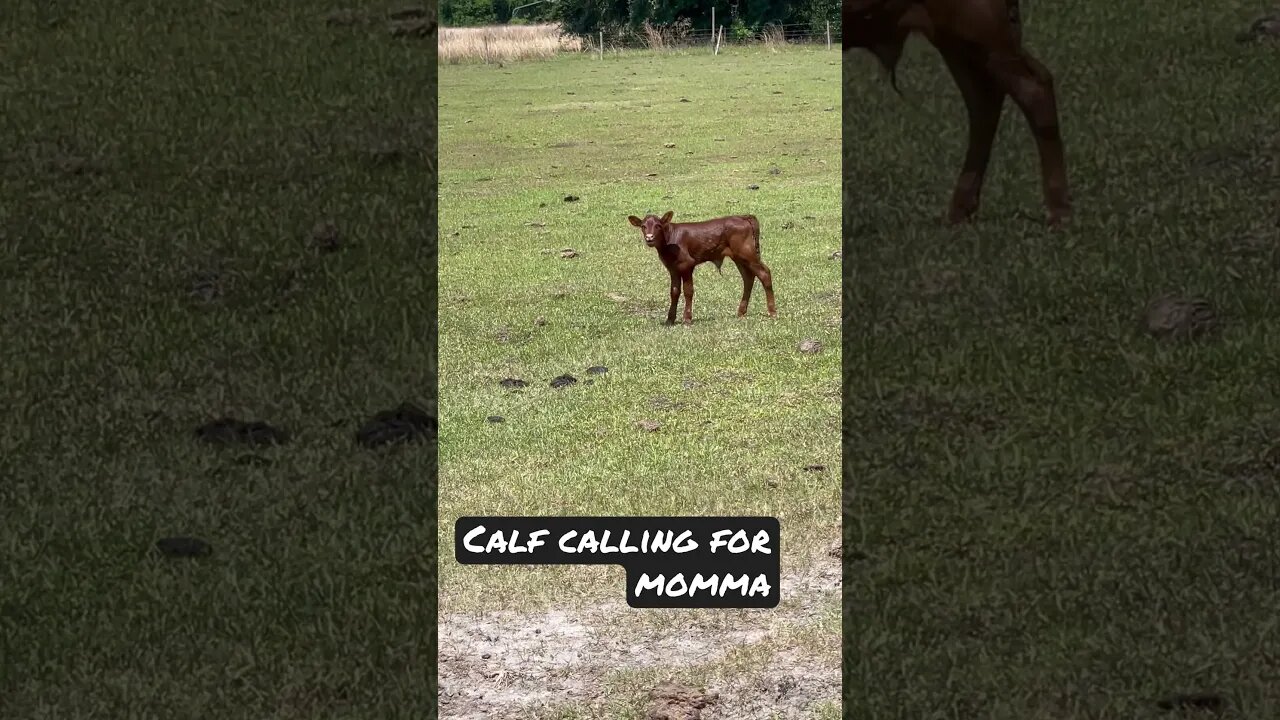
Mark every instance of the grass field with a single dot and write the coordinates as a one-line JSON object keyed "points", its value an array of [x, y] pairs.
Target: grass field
{"points": [[1048, 513], [163, 165], [741, 410]]}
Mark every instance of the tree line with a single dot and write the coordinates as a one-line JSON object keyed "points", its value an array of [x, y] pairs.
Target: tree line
{"points": [[586, 17]]}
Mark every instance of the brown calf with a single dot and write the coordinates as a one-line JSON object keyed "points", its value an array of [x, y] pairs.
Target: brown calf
{"points": [[683, 246], [981, 44]]}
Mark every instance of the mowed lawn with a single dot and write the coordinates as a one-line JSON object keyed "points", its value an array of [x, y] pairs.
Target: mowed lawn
{"points": [[161, 168], [741, 410], [1049, 514]]}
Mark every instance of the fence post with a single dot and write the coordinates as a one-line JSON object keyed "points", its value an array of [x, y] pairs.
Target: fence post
{"points": [[601, 44], [714, 48], [828, 34]]}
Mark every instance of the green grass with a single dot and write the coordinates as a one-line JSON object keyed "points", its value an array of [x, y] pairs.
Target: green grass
{"points": [[142, 144], [1053, 515], [742, 412]]}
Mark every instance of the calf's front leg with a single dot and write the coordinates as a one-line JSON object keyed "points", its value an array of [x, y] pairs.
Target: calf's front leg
{"points": [[675, 298], [984, 101]]}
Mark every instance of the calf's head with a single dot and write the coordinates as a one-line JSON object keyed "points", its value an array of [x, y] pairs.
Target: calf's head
{"points": [[654, 228]]}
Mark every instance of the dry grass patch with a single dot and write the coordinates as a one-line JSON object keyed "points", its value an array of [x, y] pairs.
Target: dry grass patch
{"points": [[662, 37], [497, 43], [774, 37]]}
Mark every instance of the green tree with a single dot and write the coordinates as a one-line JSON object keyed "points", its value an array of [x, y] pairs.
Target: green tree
{"points": [[467, 12], [542, 12], [585, 17]]}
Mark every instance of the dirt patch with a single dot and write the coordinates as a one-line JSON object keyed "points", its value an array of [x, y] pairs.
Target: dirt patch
{"points": [[54, 158], [651, 309], [183, 547], [406, 423], [1266, 27], [918, 411], [1211, 702], [733, 377], [661, 402], [206, 286], [230, 431], [506, 335], [507, 664], [673, 701], [790, 685], [1173, 317], [408, 13], [325, 237], [412, 28], [409, 22]]}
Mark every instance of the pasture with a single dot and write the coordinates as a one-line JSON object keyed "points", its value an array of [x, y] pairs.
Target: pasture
{"points": [[163, 167], [722, 417], [1049, 513]]}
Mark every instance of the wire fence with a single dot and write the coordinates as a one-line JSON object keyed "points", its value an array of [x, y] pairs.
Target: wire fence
{"points": [[683, 36]]}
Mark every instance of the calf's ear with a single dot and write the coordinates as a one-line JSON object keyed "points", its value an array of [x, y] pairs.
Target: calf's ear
{"points": [[667, 218], [634, 220]]}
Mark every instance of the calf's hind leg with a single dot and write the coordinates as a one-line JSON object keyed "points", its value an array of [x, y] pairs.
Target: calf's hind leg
{"points": [[687, 280], [766, 279], [1030, 84], [748, 281]]}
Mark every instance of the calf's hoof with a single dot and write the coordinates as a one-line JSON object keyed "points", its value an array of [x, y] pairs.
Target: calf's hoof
{"points": [[1059, 217], [958, 216]]}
